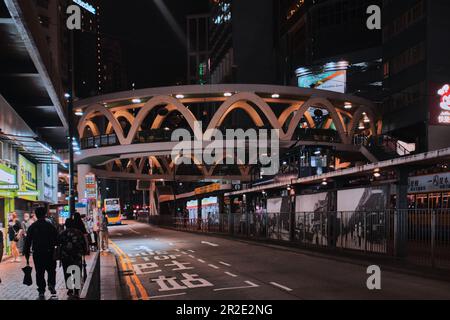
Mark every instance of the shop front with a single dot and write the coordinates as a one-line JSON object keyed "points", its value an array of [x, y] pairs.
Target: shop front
{"points": [[429, 192]]}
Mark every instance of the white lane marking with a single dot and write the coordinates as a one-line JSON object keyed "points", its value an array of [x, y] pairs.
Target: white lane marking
{"points": [[225, 264], [231, 274], [133, 230], [184, 252], [191, 256], [168, 295], [171, 244], [119, 234], [251, 285], [213, 266], [210, 244], [191, 251], [177, 250], [200, 260], [280, 286]]}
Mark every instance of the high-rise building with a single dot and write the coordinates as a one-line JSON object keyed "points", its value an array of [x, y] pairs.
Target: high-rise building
{"points": [[241, 46], [198, 48], [113, 75], [416, 72], [314, 48]]}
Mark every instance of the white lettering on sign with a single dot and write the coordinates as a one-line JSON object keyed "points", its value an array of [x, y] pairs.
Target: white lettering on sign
{"points": [[430, 183]]}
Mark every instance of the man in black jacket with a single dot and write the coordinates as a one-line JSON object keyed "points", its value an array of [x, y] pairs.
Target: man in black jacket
{"points": [[42, 237]]}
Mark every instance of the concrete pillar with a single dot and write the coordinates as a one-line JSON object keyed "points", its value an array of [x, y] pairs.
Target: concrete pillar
{"points": [[401, 212], [83, 170]]}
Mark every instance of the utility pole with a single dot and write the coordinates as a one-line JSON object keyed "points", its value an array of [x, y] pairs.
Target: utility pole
{"points": [[70, 139]]}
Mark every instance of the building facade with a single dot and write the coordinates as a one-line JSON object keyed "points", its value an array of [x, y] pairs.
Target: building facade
{"points": [[416, 72]]}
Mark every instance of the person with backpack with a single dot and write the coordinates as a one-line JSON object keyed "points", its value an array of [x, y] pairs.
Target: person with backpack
{"points": [[42, 238], [72, 248]]}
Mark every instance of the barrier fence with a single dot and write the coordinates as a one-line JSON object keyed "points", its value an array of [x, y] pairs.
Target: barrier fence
{"points": [[419, 236]]}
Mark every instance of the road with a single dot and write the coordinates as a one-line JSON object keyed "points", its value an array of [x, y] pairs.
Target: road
{"points": [[161, 264]]}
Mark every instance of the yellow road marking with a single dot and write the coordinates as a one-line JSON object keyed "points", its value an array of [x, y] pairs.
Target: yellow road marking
{"points": [[128, 281], [143, 293]]}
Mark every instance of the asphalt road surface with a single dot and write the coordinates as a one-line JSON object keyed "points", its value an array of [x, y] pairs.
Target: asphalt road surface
{"points": [[164, 264]]}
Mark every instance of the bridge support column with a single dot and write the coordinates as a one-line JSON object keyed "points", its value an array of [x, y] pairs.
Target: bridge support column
{"points": [[401, 212], [83, 170]]}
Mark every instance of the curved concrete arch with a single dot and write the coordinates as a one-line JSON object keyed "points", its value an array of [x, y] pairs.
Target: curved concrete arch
{"points": [[246, 97], [252, 113], [294, 108], [94, 129], [159, 120], [105, 112], [153, 103], [120, 114], [325, 103], [357, 117]]}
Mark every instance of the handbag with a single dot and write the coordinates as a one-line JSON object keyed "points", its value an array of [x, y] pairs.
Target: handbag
{"points": [[27, 279]]}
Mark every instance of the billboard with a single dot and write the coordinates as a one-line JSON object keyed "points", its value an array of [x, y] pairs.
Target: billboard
{"points": [[331, 81], [362, 218], [7, 176], [330, 77], [192, 207], [311, 218], [440, 104], [27, 179], [48, 182], [432, 183]]}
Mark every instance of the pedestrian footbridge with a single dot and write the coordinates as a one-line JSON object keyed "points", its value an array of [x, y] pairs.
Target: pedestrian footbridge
{"points": [[128, 134]]}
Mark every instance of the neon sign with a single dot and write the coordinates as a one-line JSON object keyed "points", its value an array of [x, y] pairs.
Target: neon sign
{"points": [[86, 6], [444, 93]]}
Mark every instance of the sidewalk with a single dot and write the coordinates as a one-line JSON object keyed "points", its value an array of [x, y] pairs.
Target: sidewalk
{"points": [[12, 288]]}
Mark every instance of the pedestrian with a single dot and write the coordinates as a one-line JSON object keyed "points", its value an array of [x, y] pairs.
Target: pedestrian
{"points": [[15, 233], [42, 239], [92, 240], [26, 223], [73, 246], [1, 248], [104, 232]]}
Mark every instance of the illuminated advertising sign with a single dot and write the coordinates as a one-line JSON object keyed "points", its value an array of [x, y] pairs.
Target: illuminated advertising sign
{"points": [[27, 179], [48, 182], [86, 6], [330, 77], [431, 183], [444, 105], [91, 187], [7, 175]]}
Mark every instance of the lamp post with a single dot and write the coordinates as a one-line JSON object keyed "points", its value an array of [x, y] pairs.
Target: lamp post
{"points": [[70, 139]]}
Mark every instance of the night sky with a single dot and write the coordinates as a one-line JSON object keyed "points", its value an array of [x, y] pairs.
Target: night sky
{"points": [[153, 53]]}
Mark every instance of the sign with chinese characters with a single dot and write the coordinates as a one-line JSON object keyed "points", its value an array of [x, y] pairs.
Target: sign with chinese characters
{"points": [[91, 187], [208, 189], [27, 179], [431, 183]]}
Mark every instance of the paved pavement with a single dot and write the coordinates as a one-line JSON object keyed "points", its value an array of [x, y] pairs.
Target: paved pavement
{"points": [[165, 264], [12, 288]]}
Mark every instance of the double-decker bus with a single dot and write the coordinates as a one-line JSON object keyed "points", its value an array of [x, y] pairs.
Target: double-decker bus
{"points": [[113, 211]]}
